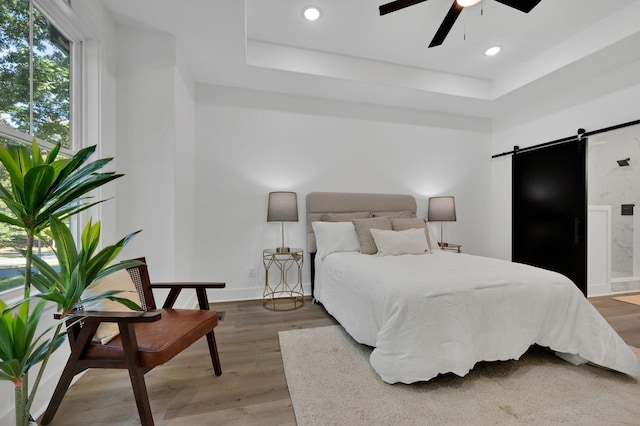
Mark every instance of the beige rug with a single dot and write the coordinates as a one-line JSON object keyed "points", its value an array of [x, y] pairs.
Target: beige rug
{"points": [[634, 300], [332, 383]]}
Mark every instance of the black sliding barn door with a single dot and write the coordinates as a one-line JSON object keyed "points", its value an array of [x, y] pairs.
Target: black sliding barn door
{"points": [[550, 209]]}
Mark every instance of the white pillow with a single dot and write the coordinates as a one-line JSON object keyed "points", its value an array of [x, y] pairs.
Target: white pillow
{"points": [[434, 235], [393, 243], [120, 280], [335, 237]]}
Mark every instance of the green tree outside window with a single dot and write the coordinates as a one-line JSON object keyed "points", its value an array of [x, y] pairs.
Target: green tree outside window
{"points": [[35, 98]]}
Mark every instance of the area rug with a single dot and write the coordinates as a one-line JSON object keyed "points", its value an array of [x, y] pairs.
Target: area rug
{"points": [[635, 299], [332, 383]]}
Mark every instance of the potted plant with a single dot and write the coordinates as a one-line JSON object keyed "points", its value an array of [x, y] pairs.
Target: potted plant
{"points": [[44, 191]]}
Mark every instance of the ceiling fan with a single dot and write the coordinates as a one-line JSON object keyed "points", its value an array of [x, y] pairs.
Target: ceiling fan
{"points": [[457, 6]]}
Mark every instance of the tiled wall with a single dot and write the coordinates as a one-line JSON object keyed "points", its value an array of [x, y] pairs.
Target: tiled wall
{"points": [[610, 184]]}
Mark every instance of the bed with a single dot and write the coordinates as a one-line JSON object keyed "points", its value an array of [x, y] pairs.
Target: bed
{"points": [[434, 312]]}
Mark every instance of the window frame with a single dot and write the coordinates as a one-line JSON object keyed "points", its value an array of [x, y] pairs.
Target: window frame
{"points": [[64, 23]]}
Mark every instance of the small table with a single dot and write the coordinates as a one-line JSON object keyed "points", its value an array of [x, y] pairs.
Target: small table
{"points": [[450, 247], [282, 296]]}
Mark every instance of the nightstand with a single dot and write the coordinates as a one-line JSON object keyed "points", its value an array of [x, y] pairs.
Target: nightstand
{"points": [[282, 295], [450, 247]]}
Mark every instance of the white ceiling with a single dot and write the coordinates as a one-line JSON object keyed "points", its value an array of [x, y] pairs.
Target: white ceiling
{"points": [[352, 53]]}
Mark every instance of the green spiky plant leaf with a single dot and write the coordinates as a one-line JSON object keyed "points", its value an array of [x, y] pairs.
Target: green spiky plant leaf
{"points": [[44, 191], [20, 347], [79, 267], [43, 187]]}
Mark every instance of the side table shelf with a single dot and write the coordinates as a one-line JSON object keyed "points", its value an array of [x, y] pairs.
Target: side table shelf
{"points": [[457, 248], [282, 295]]}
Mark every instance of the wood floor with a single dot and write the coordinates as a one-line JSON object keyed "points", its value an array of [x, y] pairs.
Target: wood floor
{"points": [[252, 389], [623, 317]]}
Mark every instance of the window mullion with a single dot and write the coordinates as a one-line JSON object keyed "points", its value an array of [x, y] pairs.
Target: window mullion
{"points": [[31, 130]]}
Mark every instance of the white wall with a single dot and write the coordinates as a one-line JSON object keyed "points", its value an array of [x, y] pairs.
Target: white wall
{"points": [[146, 144], [249, 143], [197, 175], [185, 177], [557, 118], [155, 149]]}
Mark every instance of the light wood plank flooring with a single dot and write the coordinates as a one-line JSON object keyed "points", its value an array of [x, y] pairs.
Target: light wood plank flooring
{"points": [[252, 389], [623, 317]]}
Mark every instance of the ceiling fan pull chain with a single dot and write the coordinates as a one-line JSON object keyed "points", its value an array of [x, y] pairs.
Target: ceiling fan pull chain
{"points": [[464, 37]]}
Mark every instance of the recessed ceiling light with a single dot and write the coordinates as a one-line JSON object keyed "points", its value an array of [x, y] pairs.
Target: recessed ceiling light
{"points": [[311, 13], [493, 51]]}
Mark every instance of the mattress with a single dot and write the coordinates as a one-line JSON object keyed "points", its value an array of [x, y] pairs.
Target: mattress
{"points": [[443, 312]]}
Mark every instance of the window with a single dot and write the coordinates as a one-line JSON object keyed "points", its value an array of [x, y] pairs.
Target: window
{"points": [[36, 71]]}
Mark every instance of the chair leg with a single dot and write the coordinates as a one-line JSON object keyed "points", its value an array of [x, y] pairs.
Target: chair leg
{"points": [[213, 351], [142, 397], [203, 301], [136, 373], [70, 370], [58, 395]]}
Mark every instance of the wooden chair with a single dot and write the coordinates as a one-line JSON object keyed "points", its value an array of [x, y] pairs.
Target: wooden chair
{"points": [[147, 339]]}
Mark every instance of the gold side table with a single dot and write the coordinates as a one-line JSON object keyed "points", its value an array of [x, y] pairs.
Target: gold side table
{"points": [[450, 247], [282, 296]]}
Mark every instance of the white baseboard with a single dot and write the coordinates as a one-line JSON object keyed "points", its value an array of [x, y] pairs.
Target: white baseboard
{"points": [[595, 290], [231, 295]]}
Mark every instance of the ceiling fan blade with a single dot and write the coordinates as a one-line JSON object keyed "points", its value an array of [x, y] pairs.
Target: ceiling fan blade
{"points": [[522, 5], [397, 5], [446, 25]]}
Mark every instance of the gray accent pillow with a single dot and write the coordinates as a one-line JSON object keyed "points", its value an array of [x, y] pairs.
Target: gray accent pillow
{"points": [[344, 217], [363, 230], [394, 214], [402, 224]]}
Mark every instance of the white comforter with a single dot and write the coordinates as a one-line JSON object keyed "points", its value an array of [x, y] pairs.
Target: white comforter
{"points": [[444, 312]]}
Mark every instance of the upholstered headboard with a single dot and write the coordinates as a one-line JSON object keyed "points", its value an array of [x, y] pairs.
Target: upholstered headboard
{"points": [[321, 203]]}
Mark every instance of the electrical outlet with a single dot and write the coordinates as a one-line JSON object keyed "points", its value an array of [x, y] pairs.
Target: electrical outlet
{"points": [[252, 272]]}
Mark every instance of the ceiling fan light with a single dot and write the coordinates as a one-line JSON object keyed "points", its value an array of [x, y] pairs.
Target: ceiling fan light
{"points": [[492, 51], [467, 3], [311, 13]]}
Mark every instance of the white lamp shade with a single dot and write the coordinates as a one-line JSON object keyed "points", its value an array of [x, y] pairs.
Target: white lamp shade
{"points": [[283, 207], [442, 209]]}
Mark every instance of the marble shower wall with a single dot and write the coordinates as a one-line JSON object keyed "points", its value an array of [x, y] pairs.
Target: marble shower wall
{"points": [[610, 184]]}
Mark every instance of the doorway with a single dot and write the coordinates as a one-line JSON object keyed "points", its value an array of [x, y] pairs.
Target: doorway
{"points": [[549, 209], [614, 193]]}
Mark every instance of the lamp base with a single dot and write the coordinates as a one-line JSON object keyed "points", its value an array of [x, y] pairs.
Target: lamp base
{"points": [[283, 250]]}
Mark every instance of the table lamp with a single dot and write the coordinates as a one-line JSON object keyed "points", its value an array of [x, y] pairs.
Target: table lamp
{"points": [[441, 209], [283, 207]]}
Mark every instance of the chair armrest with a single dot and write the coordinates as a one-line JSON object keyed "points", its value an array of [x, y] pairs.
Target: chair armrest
{"points": [[188, 285], [122, 317]]}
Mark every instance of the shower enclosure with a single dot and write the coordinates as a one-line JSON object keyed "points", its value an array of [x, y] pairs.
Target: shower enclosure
{"points": [[614, 211]]}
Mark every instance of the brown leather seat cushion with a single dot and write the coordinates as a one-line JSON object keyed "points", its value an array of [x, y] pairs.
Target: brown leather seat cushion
{"points": [[161, 340]]}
